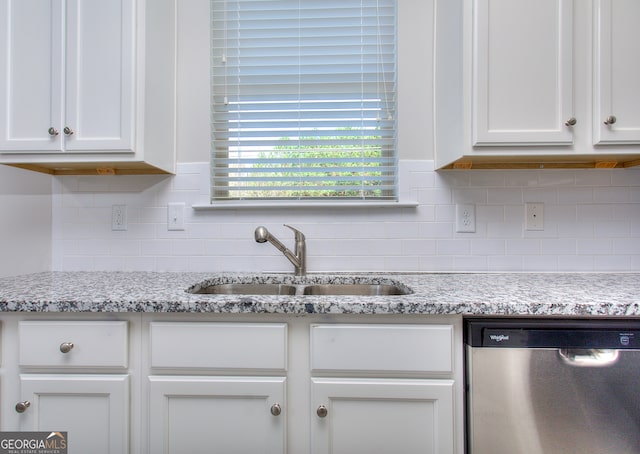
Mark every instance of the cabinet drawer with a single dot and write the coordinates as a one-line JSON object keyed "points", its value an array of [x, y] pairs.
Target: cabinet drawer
{"points": [[73, 344], [382, 348], [219, 345]]}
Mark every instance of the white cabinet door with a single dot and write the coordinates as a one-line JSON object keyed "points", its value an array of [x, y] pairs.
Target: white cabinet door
{"points": [[99, 75], [522, 72], [616, 72], [230, 415], [93, 409], [67, 75], [382, 416], [30, 75]]}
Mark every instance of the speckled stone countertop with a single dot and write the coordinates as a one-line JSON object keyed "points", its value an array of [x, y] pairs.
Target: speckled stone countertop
{"points": [[468, 294]]}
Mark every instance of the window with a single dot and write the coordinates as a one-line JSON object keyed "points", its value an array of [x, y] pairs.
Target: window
{"points": [[303, 99]]}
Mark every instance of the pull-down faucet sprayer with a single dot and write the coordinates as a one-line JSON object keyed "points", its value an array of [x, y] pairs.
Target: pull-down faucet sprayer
{"points": [[298, 258]]}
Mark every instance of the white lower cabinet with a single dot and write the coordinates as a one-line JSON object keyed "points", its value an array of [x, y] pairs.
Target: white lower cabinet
{"points": [[217, 412], [381, 416], [69, 376], [235, 383], [378, 397], [92, 409], [231, 415]]}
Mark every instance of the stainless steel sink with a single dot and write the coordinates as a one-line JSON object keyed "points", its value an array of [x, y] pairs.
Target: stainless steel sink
{"points": [[307, 286], [353, 289], [247, 289]]}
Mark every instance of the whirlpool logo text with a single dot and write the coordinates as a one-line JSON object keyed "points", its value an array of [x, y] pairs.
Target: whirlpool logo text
{"points": [[499, 337]]}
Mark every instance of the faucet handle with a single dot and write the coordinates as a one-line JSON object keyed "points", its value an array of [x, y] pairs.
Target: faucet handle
{"points": [[299, 234]]}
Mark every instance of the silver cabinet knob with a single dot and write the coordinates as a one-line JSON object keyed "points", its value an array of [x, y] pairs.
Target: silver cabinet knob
{"points": [[571, 121], [66, 347], [67, 130], [610, 120], [53, 131], [22, 406], [322, 411], [276, 409]]}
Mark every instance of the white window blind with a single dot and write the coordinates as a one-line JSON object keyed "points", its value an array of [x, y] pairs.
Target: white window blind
{"points": [[303, 99]]}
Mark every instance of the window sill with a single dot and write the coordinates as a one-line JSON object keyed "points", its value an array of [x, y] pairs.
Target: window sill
{"points": [[252, 205]]}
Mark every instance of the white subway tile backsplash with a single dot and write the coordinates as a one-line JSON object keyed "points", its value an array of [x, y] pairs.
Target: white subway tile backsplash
{"points": [[594, 212], [540, 195], [470, 195], [611, 195], [503, 196], [583, 229], [502, 229], [521, 178], [575, 195], [599, 177], [548, 263], [453, 247], [155, 248], [558, 246], [611, 263], [588, 246], [611, 229], [487, 247], [407, 264], [624, 246], [437, 264], [436, 230], [556, 178], [504, 263], [418, 247], [575, 263], [523, 246], [592, 223], [490, 178], [470, 263]]}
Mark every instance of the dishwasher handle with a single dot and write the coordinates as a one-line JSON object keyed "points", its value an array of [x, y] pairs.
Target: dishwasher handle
{"points": [[589, 357]]}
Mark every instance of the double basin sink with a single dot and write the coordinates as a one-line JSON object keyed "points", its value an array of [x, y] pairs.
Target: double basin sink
{"points": [[320, 286]]}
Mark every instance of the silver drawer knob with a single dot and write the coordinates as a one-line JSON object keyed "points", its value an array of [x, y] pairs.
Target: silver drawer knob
{"points": [[322, 411], [67, 130], [571, 121], [53, 131], [22, 406], [610, 120], [66, 347], [276, 409]]}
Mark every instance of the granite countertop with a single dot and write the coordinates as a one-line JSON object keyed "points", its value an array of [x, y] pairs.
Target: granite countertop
{"points": [[566, 294]]}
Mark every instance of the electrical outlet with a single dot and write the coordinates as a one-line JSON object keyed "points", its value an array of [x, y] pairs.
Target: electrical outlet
{"points": [[118, 217], [175, 216], [534, 216], [465, 218]]}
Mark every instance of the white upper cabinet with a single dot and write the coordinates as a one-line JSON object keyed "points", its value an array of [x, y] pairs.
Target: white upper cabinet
{"points": [[88, 84], [616, 72], [99, 73], [31, 76], [521, 83], [522, 72]]}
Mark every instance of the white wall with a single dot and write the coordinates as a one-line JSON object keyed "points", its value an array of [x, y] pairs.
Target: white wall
{"points": [[25, 226], [592, 217]]}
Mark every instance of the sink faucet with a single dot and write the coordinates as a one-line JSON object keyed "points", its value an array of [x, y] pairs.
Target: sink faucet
{"points": [[299, 258]]}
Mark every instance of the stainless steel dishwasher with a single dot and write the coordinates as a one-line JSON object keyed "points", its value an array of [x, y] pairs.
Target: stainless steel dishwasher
{"points": [[552, 386]]}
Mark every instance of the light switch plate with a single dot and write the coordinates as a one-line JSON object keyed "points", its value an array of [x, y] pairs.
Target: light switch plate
{"points": [[175, 216]]}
